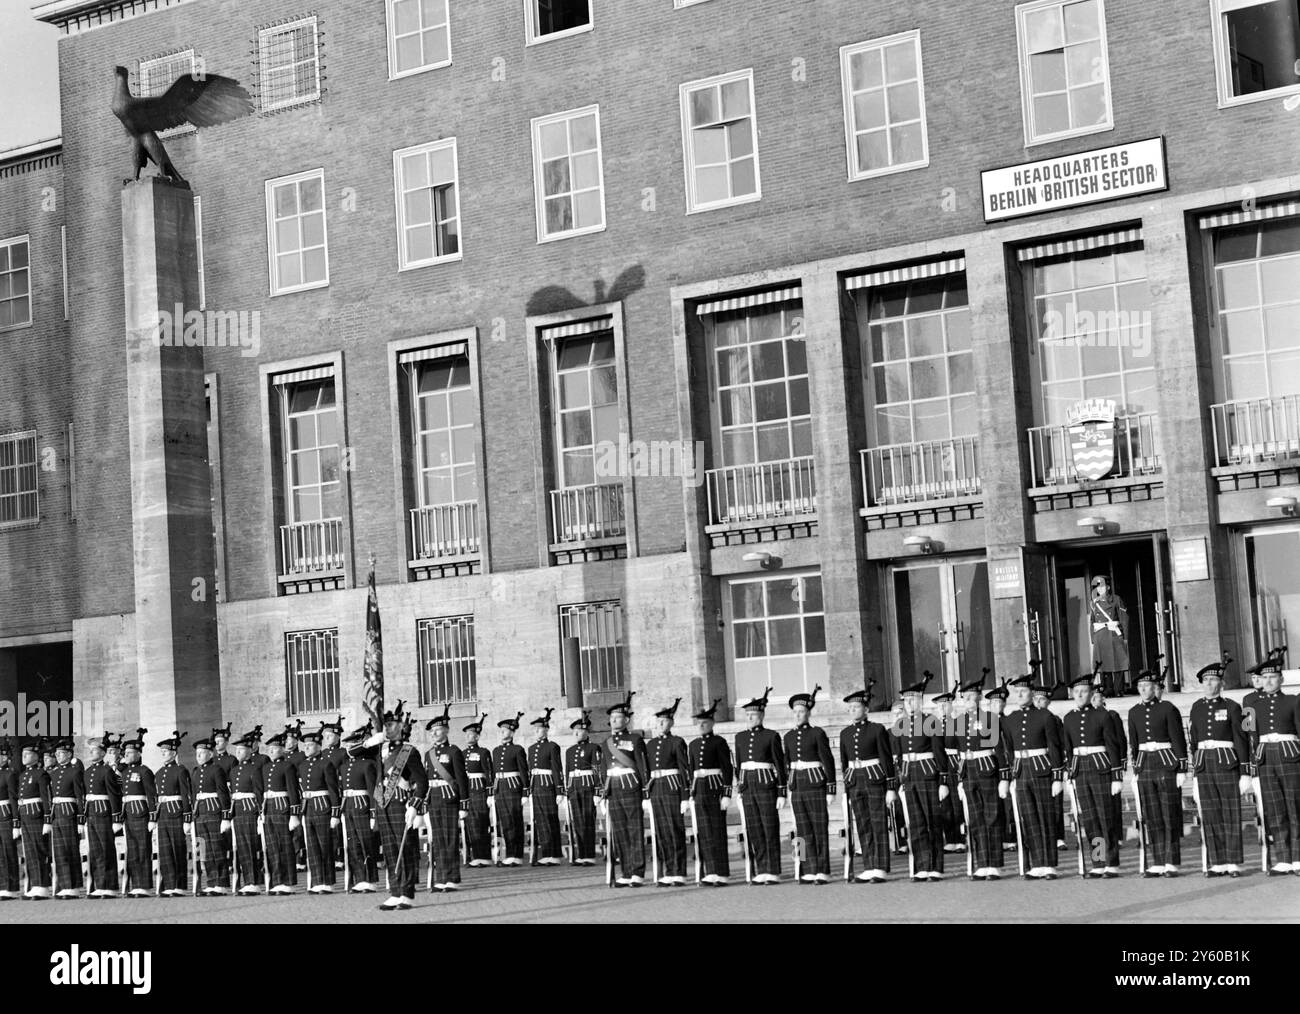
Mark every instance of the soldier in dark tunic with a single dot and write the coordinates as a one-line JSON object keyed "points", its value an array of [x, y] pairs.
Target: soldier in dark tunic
{"points": [[762, 787], [1042, 700], [668, 793], [247, 799], [281, 811], [331, 734], [139, 815], [712, 775], [1094, 765], [321, 805], [173, 817], [983, 776], [210, 804], [623, 796], [922, 764], [1109, 618], [10, 827], [34, 818], [545, 789], [478, 768], [444, 764], [1036, 770], [1158, 750], [584, 770], [870, 785], [1116, 799], [103, 794], [510, 786], [292, 750], [1219, 755], [954, 840], [812, 789], [1274, 726], [358, 776], [68, 796]]}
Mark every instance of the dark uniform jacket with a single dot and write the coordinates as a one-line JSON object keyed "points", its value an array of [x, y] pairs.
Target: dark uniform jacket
{"points": [[809, 743], [1264, 714], [760, 746], [101, 780], [508, 757], [915, 741], [1156, 721], [1217, 720], [9, 796], [1088, 727], [138, 780], [865, 740], [358, 774], [668, 754], [34, 783], [619, 749], [282, 777], [249, 776], [68, 781], [478, 761], [585, 756], [173, 779], [1028, 728], [453, 762], [317, 774], [980, 732], [710, 753], [210, 778], [546, 757]]}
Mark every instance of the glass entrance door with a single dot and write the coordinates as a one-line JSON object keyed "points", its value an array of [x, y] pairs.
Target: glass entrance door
{"points": [[943, 621]]}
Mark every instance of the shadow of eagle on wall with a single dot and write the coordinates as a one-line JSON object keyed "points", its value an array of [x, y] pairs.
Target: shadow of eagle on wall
{"points": [[557, 299]]}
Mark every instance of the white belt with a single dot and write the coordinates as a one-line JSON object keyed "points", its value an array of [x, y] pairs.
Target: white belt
{"points": [[315, 793], [97, 798], [708, 772], [1216, 744], [1026, 754], [477, 776], [543, 773], [512, 775], [132, 799], [438, 783], [64, 799], [1279, 737], [276, 794], [1080, 751], [757, 766], [913, 757], [243, 795], [975, 754], [805, 765], [29, 802], [868, 762], [582, 773], [206, 795], [169, 799], [615, 769], [664, 772], [1153, 747], [356, 793]]}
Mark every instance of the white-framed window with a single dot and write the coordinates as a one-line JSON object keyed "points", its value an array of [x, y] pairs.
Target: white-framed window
{"points": [[19, 475], [159, 74], [419, 36], [884, 106], [568, 178], [295, 232], [425, 180], [586, 405], [445, 429], [289, 62], [602, 648], [555, 19], [1256, 49], [312, 452], [311, 669], [15, 283], [778, 633], [720, 138], [448, 674], [1064, 69]]}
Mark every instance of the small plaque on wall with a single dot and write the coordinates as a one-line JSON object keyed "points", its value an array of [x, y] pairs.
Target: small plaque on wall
{"points": [[1190, 560], [1006, 579]]}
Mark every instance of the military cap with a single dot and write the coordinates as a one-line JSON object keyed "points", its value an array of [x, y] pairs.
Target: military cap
{"points": [[582, 723], [543, 721], [807, 700], [998, 693], [1085, 678], [863, 695], [706, 714], [476, 725], [443, 719], [1147, 676], [1214, 669], [758, 703], [919, 688], [622, 706], [669, 712], [173, 743], [510, 723]]}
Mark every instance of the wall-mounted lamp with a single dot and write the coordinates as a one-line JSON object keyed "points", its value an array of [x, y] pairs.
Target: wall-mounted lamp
{"points": [[1286, 504], [1098, 525], [765, 560], [921, 543]]}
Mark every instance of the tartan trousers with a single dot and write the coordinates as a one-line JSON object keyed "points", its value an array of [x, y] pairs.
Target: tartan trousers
{"points": [[545, 814], [362, 842], [953, 819], [1220, 804], [627, 825], [66, 847], [444, 839], [870, 819], [478, 826], [1037, 817], [509, 799], [984, 818], [812, 823], [762, 826], [1162, 813], [1279, 784], [8, 852], [101, 849], [281, 862], [1096, 833], [397, 838], [213, 846], [925, 824], [582, 817], [711, 829], [36, 851], [319, 837], [173, 858], [248, 845], [139, 846], [670, 827]]}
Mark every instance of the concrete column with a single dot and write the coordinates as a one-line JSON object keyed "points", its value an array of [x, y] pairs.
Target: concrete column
{"points": [[178, 677], [9, 695]]}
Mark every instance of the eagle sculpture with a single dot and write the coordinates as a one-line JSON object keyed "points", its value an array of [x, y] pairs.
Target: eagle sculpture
{"points": [[205, 101]]}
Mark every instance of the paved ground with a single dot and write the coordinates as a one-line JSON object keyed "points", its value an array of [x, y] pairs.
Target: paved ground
{"points": [[568, 894]]}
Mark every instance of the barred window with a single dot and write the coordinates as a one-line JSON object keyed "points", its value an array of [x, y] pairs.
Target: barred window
{"points": [[18, 475], [598, 627], [289, 56], [159, 74], [447, 667], [15, 283], [311, 664]]}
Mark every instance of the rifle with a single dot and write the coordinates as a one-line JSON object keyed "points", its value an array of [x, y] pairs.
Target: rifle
{"points": [[492, 827], [695, 835], [1078, 823], [970, 845], [234, 853], [532, 828], [1020, 841], [744, 835], [609, 844], [194, 855], [1263, 825], [1141, 826], [654, 844], [848, 835], [907, 819], [347, 861], [1200, 823]]}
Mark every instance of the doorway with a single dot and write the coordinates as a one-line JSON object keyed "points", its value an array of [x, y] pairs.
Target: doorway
{"points": [[943, 620]]}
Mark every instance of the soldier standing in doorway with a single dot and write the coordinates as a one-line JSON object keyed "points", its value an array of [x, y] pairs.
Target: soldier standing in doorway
{"points": [[1109, 618]]}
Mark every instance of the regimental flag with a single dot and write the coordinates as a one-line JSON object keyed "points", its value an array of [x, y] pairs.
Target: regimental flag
{"points": [[374, 660], [1092, 438]]}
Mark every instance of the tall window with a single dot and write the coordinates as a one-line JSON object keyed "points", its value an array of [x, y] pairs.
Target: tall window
{"points": [[19, 474], [1257, 303], [884, 105], [1256, 49], [311, 664], [419, 36], [778, 633], [447, 667], [586, 405], [289, 59], [551, 19], [598, 627], [445, 431], [1064, 74], [721, 141], [312, 452], [15, 283], [159, 74], [569, 180], [295, 228], [1273, 574], [921, 382], [428, 203]]}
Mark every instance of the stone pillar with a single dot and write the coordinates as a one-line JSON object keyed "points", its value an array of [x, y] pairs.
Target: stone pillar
{"points": [[9, 697], [178, 676]]}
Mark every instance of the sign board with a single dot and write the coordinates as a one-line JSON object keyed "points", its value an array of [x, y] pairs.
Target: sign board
{"points": [[1190, 562], [1089, 177], [1006, 579]]}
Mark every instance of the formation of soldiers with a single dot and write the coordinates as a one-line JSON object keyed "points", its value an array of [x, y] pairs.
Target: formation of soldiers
{"points": [[317, 802]]}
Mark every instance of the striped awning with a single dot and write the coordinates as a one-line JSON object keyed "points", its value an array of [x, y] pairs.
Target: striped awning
{"points": [[789, 294], [450, 351], [892, 276], [1080, 244], [301, 376], [578, 327], [1284, 209]]}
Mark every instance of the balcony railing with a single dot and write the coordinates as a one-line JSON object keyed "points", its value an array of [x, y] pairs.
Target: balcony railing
{"points": [[768, 491], [311, 547], [445, 530], [927, 470], [1136, 443], [583, 513], [1257, 431]]}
